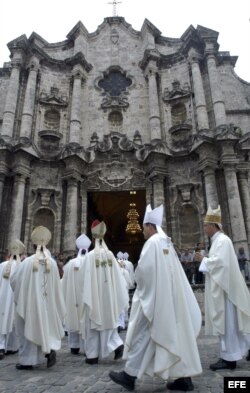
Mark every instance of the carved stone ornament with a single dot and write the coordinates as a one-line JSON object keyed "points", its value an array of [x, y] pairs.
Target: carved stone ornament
{"points": [[115, 175], [45, 197], [185, 190], [53, 98], [244, 142], [114, 36], [177, 92], [156, 146], [120, 102], [228, 131], [114, 142]]}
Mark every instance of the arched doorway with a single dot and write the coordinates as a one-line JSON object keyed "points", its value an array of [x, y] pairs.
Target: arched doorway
{"points": [[112, 207]]}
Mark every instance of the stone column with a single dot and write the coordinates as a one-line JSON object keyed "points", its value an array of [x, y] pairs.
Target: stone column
{"points": [[57, 234], [75, 117], [149, 192], [2, 178], [84, 207], [154, 113], [29, 102], [245, 199], [70, 229], [11, 102], [16, 213], [235, 208], [200, 101], [216, 93], [210, 187], [159, 195], [27, 241]]}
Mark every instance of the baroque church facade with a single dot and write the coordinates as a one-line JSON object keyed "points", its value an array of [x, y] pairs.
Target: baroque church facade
{"points": [[92, 122]]}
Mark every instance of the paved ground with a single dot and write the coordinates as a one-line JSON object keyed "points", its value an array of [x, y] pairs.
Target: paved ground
{"points": [[72, 374]]}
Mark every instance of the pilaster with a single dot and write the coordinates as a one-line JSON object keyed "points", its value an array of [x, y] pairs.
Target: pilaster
{"points": [[154, 112], [216, 93], [29, 101], [207, 165], [84, 207], [200, 101], [17, 204], [235, 208], [11, 101], [2, 179], [245, 199], [70, 229], [75, 117]]}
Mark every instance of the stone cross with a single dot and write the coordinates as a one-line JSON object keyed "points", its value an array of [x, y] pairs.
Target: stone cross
{"points": [[114, 3]]}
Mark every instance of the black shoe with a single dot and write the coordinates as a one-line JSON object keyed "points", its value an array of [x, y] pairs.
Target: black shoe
{"points": [[119, 352], [184, 384], [91, 361], [222, 365], [51, 358], [123, 379], [75, 351], [10, 352], [2, 354], [248, 356], [23, 367]]}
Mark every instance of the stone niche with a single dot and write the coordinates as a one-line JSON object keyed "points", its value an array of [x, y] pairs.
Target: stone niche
{"points": [[189, 225], [178, 100], [52, 109]]}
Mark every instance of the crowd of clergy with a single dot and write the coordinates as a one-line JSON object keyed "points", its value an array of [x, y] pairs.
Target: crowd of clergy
{"points": [[90, 303]]}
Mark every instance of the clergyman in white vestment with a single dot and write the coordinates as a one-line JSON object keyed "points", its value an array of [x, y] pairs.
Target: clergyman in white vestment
{"points": [[72, 285], [227, 298], [40, 306], [165, 318], [8, 337], [105, 296], [123, 317]]}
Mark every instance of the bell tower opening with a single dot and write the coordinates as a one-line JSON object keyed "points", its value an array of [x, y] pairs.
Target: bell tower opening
{"points": [[123, 213]]}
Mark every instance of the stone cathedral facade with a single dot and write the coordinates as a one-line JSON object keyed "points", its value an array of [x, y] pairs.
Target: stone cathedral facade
{"points": [[122, 111]]}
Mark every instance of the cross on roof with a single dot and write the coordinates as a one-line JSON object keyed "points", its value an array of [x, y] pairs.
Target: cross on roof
{"points": [[114, 3]]}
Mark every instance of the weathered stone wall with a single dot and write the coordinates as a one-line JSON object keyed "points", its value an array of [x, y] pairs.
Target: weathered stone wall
{"points": [[116, 110]]}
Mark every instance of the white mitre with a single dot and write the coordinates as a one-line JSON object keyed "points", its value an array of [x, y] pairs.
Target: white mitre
{"points": [[41, 236], [98, 229], [119, 255], [154, 216], [82, 243], [125, 256], [16, 248], [213, 216]]}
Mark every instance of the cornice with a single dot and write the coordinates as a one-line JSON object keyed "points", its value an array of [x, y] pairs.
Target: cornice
{"points": [[149, 55], [79, 59], [78, 29]]}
